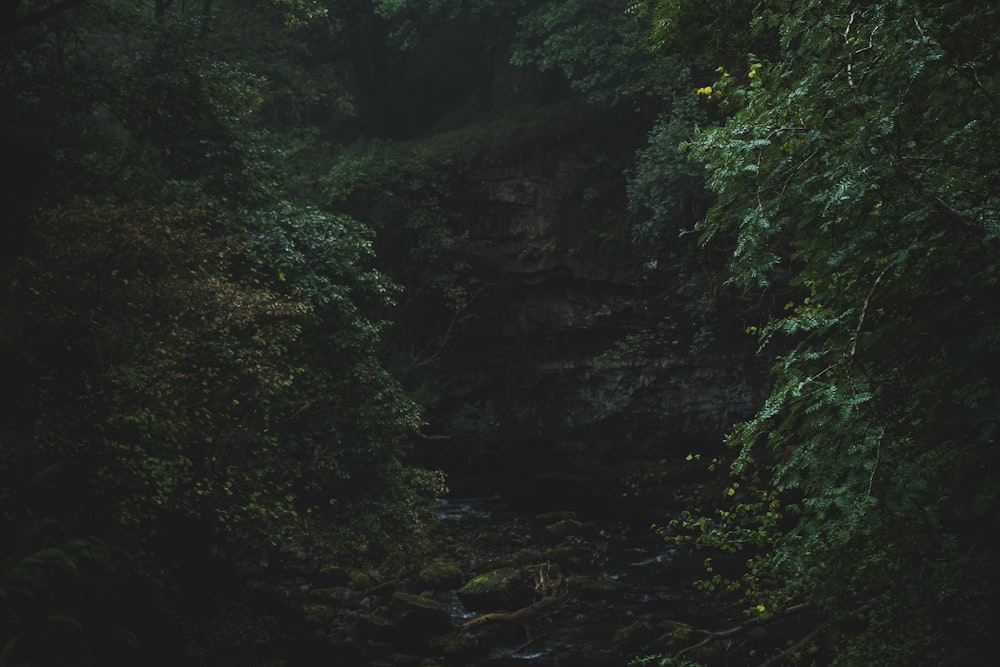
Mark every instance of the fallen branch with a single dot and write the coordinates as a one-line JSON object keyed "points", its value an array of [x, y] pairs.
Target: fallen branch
{"points": [[711, 636], [864, 310], [508, 617], [794, 609]]}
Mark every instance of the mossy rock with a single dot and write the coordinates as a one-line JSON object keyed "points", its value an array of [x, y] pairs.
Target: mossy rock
{"points": [[549, 518], [505, 589], [597, 588], [318, 614], [440, 574], [359, 579], [560, 530]]}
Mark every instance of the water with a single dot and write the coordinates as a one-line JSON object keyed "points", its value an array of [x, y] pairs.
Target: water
{"points": [[630, 581], [453, 509]]}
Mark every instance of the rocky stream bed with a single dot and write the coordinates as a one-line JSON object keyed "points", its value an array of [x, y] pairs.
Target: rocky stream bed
{"points": [[526, 578]]}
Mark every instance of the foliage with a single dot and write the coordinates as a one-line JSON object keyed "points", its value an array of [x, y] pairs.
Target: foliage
{"points": [[600, 47], [704, 34], [406, 192], [416, 19], [218, 368], [859, 170], [350, 413], [666, 191], [668, 195], [43, 619], [74, 600], [200, 357]]}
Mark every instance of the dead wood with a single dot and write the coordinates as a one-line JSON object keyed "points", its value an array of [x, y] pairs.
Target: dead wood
{"points": [[508, 617]]}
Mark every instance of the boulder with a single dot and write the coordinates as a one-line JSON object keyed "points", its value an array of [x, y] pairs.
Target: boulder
{"points": [[505, 589], [440, 574]]}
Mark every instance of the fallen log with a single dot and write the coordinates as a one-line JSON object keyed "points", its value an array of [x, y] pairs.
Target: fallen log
{"points": [[510, 616]]}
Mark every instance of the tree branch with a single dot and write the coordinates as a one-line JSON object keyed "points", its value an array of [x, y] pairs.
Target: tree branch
{"points": [[507, 617], [864, 309], [729, 632]]}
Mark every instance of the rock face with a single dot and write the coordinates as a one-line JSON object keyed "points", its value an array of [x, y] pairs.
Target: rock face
{"points": [[575, 353]]}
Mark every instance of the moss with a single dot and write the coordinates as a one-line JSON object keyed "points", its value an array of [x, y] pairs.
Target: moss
{"points": [[321, 594], [457, 645], [440, 574], [676, 634], [571, 527], [506, 588], [549, 518], [360, 579], [590, 588], [493, 581], [318, 614]]}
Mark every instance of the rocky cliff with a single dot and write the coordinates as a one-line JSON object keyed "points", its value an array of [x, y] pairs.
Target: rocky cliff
{"points": [[573, 350]]}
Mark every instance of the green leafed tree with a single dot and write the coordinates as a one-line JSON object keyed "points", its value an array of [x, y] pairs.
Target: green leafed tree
{"points": [[600, 47], [193, 390], [856, 176], [165, 106], [215, 402]]}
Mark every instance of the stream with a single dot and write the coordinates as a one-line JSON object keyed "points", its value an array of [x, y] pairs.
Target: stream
{"points": [[621, 571], [542, 572], [628, 592]]}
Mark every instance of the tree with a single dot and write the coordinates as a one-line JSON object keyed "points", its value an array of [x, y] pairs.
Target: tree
{"points": [[858, 174], [17, 14], [193, 380], [600, 47]]}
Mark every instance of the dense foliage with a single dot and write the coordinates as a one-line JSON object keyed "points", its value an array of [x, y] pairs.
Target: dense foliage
{"points": [[856, 176], [194, 391]]}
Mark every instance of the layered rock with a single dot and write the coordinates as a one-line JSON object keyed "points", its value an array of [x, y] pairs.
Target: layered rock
{"points": [[576, 352]]}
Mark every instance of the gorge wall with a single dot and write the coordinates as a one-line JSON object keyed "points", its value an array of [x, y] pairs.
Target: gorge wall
{"points": [[574, 352]]}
